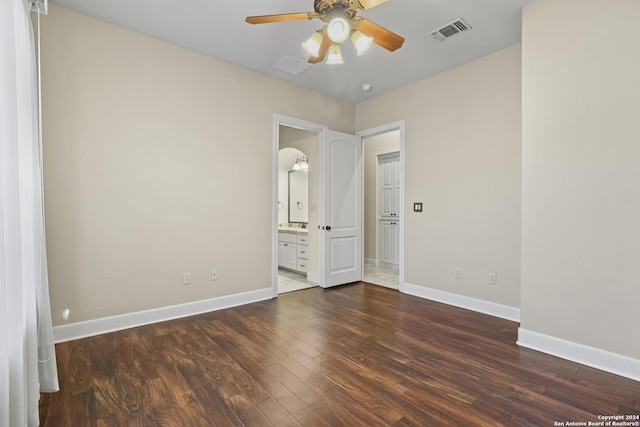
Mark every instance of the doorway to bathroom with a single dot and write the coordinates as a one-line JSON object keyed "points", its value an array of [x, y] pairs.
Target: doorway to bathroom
{"points": [[298, 184], [336, 215]]}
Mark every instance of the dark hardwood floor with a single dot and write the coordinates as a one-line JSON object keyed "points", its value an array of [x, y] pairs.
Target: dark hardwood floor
{"points": [[357, 355]]}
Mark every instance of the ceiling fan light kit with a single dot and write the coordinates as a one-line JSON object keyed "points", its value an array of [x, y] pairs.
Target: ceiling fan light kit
{"points": [[312, 46], [342, 22], [361, 42], [335, 55], [338, 29]]}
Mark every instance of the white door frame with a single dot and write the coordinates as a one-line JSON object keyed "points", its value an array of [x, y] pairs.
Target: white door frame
{"points": [[279, 119], [390, 127]]}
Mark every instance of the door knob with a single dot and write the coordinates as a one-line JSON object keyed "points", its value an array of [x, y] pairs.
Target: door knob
{"points": [[328, 228]]}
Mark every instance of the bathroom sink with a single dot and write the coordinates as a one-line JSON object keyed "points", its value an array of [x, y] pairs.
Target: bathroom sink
{"points": [[294, 230]]}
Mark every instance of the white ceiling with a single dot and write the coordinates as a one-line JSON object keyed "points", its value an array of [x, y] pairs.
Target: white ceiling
{"points": [[216, 28]]}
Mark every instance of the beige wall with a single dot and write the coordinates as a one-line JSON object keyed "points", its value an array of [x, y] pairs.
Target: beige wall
{"points": [[581, 169], [373, 147], [462, 147], [143, 140], [157, 162]]}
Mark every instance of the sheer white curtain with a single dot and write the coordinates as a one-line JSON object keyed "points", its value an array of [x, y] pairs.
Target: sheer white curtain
{"points": [[27, 357]]}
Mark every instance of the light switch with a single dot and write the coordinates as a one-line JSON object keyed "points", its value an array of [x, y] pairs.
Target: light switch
{"points": [[417, 206]]}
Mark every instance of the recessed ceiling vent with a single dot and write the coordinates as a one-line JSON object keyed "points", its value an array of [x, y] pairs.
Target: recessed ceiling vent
{"points": [[456, 27], [292, 65]]}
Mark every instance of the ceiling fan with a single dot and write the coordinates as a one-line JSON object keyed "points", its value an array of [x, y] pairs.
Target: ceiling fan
{"points": [[341, 22]]}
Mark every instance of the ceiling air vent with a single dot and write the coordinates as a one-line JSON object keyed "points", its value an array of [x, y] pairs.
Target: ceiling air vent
{"points": [[292, 65], [456, 27]]}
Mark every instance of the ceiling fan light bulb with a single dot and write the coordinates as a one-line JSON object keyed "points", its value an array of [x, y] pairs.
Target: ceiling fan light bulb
{"points": [[312, 46], [361, 42], [338, 29], [335, 56]]}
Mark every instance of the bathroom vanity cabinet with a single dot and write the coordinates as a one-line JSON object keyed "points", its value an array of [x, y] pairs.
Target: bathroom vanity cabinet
{"points": [[293, 251]]}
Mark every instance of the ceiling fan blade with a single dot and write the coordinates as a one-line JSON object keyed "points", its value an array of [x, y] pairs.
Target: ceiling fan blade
{"points": [[381, 36], [368, 4], [324, 47], [265, 19]]}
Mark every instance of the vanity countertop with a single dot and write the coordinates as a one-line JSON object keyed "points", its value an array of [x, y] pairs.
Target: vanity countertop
{"points": [[294, 230]]}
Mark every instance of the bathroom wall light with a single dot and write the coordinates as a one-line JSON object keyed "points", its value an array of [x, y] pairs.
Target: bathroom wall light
{"points": [[301, 164]]}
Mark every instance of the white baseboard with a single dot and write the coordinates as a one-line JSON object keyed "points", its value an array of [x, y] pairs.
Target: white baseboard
{"points": [[313, 278], [378, 263], [614, 363], [130, 320], [596, 358], [481, 306]]}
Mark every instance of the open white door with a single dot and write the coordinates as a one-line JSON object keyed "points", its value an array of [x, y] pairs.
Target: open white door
{"points": [[341, 209]]}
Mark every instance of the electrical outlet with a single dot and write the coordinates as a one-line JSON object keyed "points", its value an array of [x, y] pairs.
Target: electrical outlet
{"points": [[65, 314], [457, 273], [214, 275], [186, 280], [493, 278]]}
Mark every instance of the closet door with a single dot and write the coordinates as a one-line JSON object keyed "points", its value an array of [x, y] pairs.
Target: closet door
{"points": [[389, 173], [387, 194], [389, 185], [389, 241]]}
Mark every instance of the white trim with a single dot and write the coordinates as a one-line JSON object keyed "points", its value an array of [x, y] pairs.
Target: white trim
{"points": [[596, 358], [474, 304], [371, 261], [313, 278], [280, 119], [390, 127], [130, 320], [378, 263]]}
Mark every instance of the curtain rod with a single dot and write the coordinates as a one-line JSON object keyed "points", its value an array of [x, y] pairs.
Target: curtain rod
{"points": [[40, 6]]}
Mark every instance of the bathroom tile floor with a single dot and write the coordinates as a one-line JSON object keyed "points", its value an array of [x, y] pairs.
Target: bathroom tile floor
{"points": [[288, 281], [383, 276]]}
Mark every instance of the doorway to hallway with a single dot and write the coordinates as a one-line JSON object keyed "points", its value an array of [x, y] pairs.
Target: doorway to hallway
{"points": [[383, 213]]}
